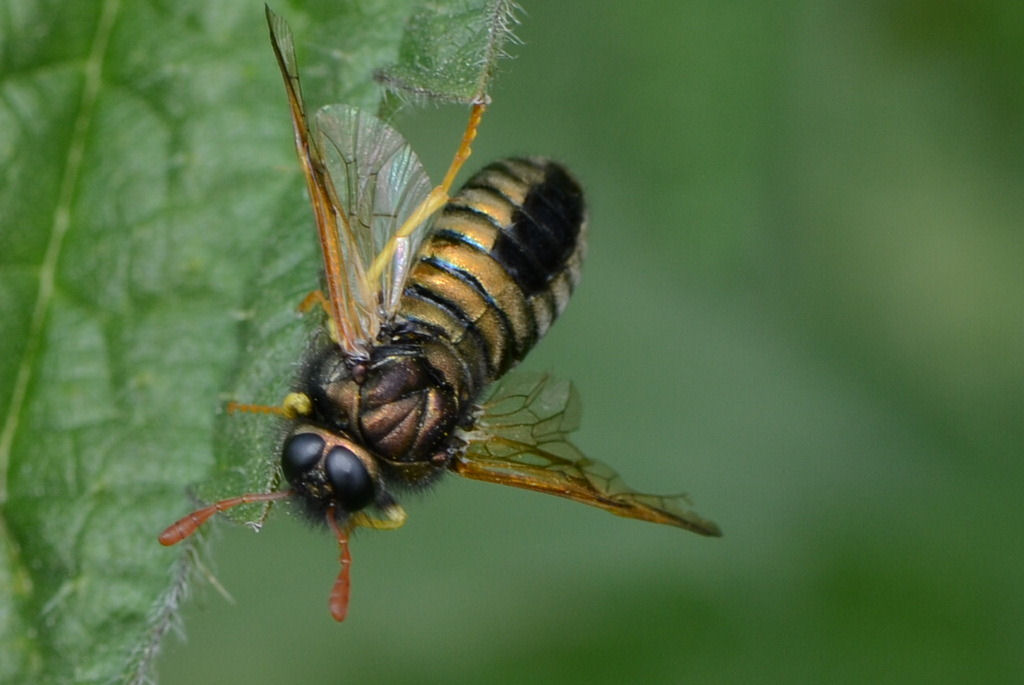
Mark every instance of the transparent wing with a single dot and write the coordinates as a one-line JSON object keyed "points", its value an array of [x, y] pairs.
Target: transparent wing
{"points": [[378, 182], [364, 181], [345, 301], [521, 439]]}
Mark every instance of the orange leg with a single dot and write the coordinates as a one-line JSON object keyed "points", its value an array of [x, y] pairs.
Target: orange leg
{"points": [[255, 408], [318, 297], [315, 297], [435, 199], [294, 404]]}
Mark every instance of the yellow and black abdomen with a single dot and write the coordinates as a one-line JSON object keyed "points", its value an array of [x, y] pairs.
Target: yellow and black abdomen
{"points": [[497, 267], [499, 264]]}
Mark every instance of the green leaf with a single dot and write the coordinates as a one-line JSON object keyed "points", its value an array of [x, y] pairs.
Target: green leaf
{"points": [[155, 243], [450, 52]]}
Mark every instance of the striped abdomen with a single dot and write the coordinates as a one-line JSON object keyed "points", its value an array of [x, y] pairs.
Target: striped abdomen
{"points": [[495, 270], [499, 264]]}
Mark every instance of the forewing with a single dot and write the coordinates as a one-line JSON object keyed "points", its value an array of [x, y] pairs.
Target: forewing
{"points": [[346, 302], [521, 439], [377, 182]]}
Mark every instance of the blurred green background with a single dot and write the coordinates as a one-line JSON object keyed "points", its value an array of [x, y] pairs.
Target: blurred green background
{"points": [[804, 305]]}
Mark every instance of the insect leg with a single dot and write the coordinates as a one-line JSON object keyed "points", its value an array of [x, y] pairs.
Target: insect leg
{"points": [[317, 297], [313, 298], [294, 404], [436, 198]]}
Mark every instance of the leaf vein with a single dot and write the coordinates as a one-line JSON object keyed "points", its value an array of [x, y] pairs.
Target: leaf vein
{"points": [[93, 73]]}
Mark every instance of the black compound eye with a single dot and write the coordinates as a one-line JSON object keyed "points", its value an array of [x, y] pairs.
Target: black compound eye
{"points": [[353, 487], [300, 453]]}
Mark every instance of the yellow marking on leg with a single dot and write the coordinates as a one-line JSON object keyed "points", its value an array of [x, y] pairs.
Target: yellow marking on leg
{"points": [[394, 517], [297, 404]]}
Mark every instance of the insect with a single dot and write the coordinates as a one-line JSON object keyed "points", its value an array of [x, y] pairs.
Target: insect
{"points": [[430, 300]]}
